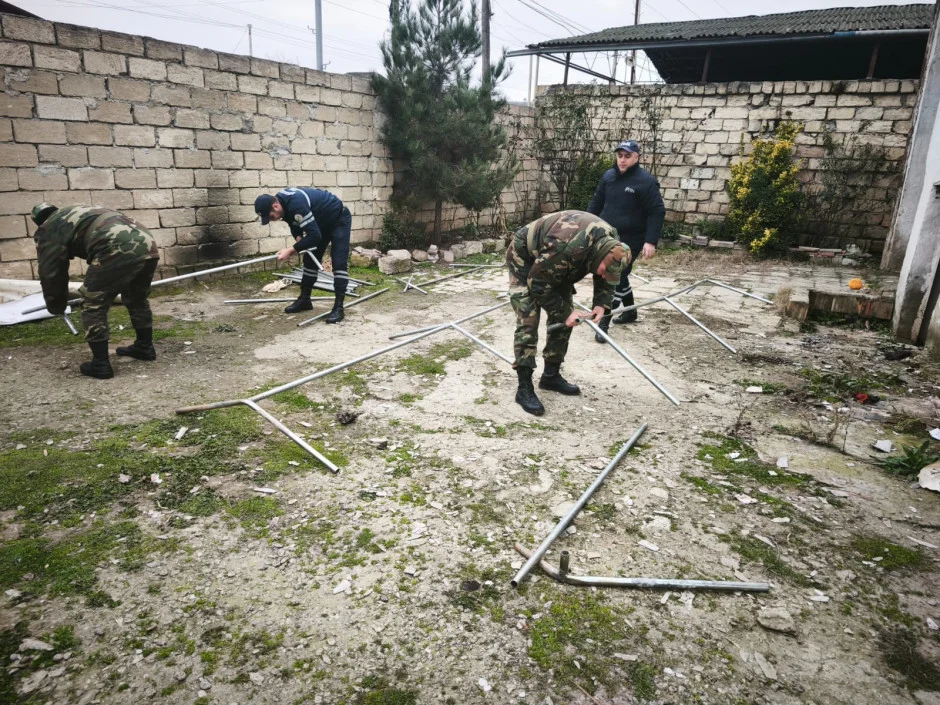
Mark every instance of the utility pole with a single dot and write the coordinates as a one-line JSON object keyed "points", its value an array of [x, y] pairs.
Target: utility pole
{"points": [[249, 41], [636, 21], [319, 16], [485, 31]]}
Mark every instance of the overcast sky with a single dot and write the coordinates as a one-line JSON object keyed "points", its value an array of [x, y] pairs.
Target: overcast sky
{"points": [[352, 29]]}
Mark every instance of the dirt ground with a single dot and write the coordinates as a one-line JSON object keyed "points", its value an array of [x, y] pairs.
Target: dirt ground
{"points": [[246, 572]]}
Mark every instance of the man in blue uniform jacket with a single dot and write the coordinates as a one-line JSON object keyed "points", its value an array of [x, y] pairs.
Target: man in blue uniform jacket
{"points": [[316, 218], [628, 198]]}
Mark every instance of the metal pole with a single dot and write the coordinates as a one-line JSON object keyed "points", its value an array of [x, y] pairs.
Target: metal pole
{"points": [[350, 305], [479, 342], [531, 94], [318, 10], [318, 299], [636, 21], [573, 512], [478, 266], [290, 434], [250, 52], [68, 322], [740, 291], [699, 324], [458, 321], [213, 270], [629, 359], [562, 575], [449, 276]]}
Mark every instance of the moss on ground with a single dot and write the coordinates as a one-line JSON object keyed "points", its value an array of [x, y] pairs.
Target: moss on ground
{"points": [[756, 551], [433, 361], [889, 556], [899, 649], [53, 331]]}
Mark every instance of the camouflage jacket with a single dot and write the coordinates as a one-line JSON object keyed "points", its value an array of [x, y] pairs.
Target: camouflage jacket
{"points": [[100, 236], [556, 251]]}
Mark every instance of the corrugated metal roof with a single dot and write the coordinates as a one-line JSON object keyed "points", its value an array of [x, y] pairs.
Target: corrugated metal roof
{"points": [[832, 20]]}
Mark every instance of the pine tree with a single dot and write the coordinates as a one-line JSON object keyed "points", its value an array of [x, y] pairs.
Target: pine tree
{"points": [[439, 126]]}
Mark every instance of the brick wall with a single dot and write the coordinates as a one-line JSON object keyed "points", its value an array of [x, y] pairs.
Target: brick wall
{"points": [[703, 128], [182, 139]]}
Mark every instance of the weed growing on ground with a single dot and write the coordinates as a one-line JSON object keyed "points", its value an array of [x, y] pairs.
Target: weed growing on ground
{"points": [[900, 653], [757, 551], [768, 387], [911, 460]]}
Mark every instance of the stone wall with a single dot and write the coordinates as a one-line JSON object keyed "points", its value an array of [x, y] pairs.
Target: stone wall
{"points": [[182, 139], [703, 129]]}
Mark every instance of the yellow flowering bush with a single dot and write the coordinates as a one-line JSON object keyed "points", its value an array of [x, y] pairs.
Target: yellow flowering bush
{"points": [[766, 205]]}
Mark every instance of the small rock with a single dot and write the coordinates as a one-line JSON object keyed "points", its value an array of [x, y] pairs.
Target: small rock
{"points": [[264, 490], [745, 499], [124, 479], [14, 594], [484, 685], [935, 434], [659, 493], [560, 510], [884, 446], [411, 571], [929, 477], [627, 657], [819, 598], [155, 478], [32, 682], [783, 462], [776, 619], [34, 645], [256, 678], [754, 390], [648, 546], [342, 587], [765, 666], [932, 625]]}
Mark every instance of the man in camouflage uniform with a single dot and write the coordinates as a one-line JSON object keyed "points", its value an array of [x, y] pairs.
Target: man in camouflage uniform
{"points": [[546, 259], [122, 259]]}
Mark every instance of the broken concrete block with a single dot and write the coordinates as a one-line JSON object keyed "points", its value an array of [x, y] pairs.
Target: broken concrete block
{"points": [[473, 247], [492, 245], [459, 249], [419, 255], [394, 265]]}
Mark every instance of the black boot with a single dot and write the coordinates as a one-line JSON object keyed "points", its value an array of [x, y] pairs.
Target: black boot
{"points": [[525, 395], [604, 325], [100, 365], [303, 302], [627, 316], [336, 315], [142, 348], [552, 380]]}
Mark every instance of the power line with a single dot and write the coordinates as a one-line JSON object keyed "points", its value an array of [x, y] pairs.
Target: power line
{"points": [[546, 16], [694, 14], [576, 25]]}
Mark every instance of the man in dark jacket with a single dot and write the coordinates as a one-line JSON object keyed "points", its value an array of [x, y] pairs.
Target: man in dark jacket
{"points": [[628, 198], [122, 258], [316, 218]]}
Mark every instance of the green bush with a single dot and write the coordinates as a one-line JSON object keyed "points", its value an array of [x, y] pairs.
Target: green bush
{"points": [[766, 206], [401, 232], [587, 175]]}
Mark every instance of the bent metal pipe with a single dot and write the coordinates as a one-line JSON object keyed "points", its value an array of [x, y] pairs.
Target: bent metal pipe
{"points": [[563, 523], [562, 575]]}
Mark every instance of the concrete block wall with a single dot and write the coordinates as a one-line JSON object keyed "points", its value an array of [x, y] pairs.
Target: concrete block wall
{"points": [[181, 138], [704, 127]]}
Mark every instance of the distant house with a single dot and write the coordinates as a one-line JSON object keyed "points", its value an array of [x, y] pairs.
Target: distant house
{"points": [[845, 43]]}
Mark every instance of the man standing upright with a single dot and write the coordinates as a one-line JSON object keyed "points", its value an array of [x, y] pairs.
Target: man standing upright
{"points": [[122, 258], [628, 198], [316, 218], [546, 259]]}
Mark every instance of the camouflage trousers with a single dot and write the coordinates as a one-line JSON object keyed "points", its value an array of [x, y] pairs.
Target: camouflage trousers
{"points": [[123, 274], [528, 314]]}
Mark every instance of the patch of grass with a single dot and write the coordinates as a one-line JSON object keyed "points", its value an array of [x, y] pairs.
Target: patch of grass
{"points": [[578, 627], [757, 551], [295, 400], [890, 556], [483, 428], [643, 680], [911, 460], [604, 512], [477, 590], [377, 691], [67, 567], [746, 464], [701, 483], [408, 398], [255, 513], [354, 381], [432, 362], [834, 387], [900, 653], [768, 387]]}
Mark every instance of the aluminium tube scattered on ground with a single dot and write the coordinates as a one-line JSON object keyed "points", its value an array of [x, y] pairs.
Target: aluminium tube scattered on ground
{"points": [[349, 305], [458, 321], [70, 302], [290, 434], [479, 266], [410, 285], [272, 301], [449, 276], [213, 270], [563, 576], [740, 291], [68, 322], [694, 320], [573, 512], [471, 336], [629, 359]]}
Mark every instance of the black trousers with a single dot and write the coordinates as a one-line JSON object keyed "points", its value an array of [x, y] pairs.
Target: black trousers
{"points": [[338, 239]]}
